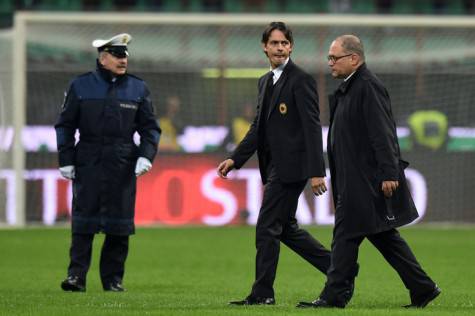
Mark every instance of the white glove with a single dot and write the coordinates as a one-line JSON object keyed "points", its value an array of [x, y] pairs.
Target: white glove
{"points": [[68, 172], [143, 165]]}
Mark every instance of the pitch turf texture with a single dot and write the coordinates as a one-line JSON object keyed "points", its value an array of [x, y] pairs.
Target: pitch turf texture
{"points": [[196, 271]]}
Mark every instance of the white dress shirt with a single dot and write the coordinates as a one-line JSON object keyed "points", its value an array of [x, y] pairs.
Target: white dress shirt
{"points": [[278, 71], [346, 79]]}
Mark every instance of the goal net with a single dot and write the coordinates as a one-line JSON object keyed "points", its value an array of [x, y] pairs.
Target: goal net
{"points": [[209, 64]]}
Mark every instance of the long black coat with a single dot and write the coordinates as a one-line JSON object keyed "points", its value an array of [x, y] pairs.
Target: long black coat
{"points": [[363, 151], [291, 126], [106, 113]]}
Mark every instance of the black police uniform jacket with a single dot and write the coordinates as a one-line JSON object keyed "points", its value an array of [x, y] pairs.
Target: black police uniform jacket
{"points": [[106, 111], [363, 151], [291, 129]]}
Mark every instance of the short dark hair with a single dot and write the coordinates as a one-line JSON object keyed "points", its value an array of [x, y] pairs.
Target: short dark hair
{"points": [[277, 26]]}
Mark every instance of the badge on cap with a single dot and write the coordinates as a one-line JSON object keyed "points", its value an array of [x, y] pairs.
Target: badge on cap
{"points": [[283, 108], [117, 40]]}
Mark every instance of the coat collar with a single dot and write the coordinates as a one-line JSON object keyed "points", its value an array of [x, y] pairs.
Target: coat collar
{"points": [[345, 84], [107, 74], [279, 84], [279, 70]]}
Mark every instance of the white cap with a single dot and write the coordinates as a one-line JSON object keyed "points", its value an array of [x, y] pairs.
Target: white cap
{"points": [[117, 40]]}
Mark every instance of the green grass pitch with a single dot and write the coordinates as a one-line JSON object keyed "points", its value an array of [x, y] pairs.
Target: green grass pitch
{"points": [[197, 270]]}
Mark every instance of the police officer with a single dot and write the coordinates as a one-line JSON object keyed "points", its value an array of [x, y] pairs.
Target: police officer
{"points": [[107, 107]]}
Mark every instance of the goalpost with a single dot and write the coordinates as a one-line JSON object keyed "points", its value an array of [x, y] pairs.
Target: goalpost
{"points": [[212, 61], [6, 119]]}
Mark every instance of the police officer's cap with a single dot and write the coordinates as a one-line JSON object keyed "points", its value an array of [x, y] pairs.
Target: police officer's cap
{"points": [[116, 45]]}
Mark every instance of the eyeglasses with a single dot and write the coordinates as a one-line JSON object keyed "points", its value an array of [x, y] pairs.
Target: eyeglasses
{"points": [[334, 59]]}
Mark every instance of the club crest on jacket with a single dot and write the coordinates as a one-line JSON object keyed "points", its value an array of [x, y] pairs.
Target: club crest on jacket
{"points": [[283, 108]]}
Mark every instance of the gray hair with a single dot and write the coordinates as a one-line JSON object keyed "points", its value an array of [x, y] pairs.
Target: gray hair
{"points": [[352, 45]]}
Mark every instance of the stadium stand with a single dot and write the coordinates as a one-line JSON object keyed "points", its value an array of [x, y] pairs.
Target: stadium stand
{"points": [[363, 6], [6, 13], [443, 7]]}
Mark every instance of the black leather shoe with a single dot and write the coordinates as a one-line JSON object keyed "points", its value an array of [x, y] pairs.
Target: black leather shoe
{"points": [[73, 284], [251, 300], [422, 301], [114, 287], [318, 303]]}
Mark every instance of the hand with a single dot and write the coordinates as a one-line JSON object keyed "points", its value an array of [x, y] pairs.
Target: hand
{"points": [[143, 165], [68, 172], [225, 167], [318, 185], [389, 187]]}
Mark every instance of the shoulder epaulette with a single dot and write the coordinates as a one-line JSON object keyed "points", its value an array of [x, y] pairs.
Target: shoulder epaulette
{"points": [[134, 76], [84, 74]]}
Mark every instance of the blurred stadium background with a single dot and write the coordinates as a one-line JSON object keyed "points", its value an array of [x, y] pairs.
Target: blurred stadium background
{"points": [[201, 60]]}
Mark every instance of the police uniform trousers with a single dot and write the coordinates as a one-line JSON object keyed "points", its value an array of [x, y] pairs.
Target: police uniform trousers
{"points": [[113, 255], [277, 223], [339, 286]]}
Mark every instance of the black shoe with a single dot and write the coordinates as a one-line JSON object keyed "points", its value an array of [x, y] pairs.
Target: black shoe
{"points": [[73, 284], [114, 287], [422, 301], [252, 300], [318, 303]]}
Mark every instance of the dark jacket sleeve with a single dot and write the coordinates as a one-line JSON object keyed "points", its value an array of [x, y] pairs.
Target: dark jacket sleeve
{"points": [[147, 127], [381, 129], [306, 97], [247, 147], [66, 126]]}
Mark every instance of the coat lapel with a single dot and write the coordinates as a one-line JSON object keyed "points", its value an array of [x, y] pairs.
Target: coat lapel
{"points": [[341, 90], [332, 104], [278, 86], [262, 92]]}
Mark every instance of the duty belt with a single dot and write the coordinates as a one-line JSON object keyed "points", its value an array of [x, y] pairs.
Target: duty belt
{"points": [[106, 140]]}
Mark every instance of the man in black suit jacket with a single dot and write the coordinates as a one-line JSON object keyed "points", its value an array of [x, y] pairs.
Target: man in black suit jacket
{"points": [[368, 182], [287, 135]]}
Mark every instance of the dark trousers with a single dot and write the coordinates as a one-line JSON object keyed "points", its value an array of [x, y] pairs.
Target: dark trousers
{"points": [[339, 286], [113, 255], [276, 223]]}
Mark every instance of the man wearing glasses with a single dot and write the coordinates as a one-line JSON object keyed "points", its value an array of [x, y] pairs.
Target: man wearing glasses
{"points": [[368, 183]]}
